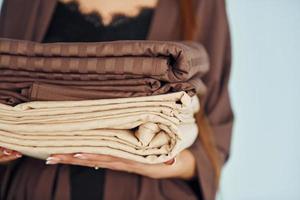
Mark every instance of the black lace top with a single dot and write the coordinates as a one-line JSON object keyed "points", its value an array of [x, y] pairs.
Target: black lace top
{"points": [[68, 24]]}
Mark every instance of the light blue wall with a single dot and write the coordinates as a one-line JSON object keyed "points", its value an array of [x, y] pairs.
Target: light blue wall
{"points": [[265, 88]]}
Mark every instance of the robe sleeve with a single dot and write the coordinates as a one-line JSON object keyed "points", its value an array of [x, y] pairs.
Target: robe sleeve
{"points": [[214, 34]]}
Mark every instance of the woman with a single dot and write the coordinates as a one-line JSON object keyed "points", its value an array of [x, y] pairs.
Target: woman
{"points": [[195, 173]]}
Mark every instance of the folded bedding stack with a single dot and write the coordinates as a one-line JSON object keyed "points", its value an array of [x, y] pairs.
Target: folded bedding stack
{"points": [[146, 129], [132, 99]]}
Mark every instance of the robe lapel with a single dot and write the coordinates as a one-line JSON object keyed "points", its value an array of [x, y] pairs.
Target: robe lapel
{"points": [[26, 19], [164, 25]]}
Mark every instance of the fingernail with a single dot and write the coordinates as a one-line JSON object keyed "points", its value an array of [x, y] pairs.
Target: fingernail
{"points": [[6, 152], [18, 155], [171, 162], [52, 160], [80, 156]]}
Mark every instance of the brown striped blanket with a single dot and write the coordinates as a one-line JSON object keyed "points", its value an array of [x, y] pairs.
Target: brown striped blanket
{"points": [[77, 71]]}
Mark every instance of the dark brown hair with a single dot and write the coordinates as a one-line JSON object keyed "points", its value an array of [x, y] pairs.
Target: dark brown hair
{"points": [[206, 135]]}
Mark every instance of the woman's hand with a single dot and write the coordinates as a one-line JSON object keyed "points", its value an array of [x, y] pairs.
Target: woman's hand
{"points": [[184, 166], [7, 155]]}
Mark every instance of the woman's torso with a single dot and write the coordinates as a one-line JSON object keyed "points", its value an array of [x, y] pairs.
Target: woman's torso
{"points": [[88, 21]]}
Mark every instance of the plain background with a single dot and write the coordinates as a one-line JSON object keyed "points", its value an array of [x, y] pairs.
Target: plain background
{"points": [[265, 91]]}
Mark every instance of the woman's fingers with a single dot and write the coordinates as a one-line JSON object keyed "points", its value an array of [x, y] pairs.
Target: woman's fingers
{"points": [[66, 159], [70, 159], [11, 152], [4, 159], [112, 162], [164, 170], [8, 152], [7, 155], [96, 157], [103, 158], [94, 160]]}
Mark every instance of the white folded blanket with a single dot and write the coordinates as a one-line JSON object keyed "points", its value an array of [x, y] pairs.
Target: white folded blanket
{"points": [[150, 129]]}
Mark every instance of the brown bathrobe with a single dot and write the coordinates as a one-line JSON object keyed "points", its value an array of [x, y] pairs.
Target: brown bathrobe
{"points": [[28, 19]]}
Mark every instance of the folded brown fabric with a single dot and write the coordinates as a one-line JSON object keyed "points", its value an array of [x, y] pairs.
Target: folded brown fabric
{"points": [[74, 71], [145, 129], [48, 89], [170, 61]]}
